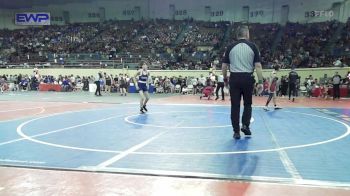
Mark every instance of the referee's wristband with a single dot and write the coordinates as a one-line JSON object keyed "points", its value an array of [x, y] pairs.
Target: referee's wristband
{"points": [[260, 82]]}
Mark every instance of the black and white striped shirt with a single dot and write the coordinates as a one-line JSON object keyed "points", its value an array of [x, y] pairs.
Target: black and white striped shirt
{"points": [[241, 56]]}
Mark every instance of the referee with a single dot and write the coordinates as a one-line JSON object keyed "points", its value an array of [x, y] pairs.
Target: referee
{"points": [[293, 82], [241, 58]]}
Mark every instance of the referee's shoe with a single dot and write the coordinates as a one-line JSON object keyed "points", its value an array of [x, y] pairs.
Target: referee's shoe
{"points": [[245, 129], [237, 136], [246, 132]]}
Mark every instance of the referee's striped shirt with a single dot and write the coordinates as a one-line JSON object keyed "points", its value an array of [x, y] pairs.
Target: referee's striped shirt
{"points": [[241, 56]]}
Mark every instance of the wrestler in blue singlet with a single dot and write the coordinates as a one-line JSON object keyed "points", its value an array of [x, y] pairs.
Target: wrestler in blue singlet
{"points": [[142, 82]]}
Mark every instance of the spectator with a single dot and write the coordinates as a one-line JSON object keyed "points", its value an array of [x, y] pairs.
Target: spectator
{"points": [[66, 85], [24, 83], [2, 84]]}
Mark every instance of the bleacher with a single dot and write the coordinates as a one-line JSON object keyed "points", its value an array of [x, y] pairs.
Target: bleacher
{"points": [[114, 43]]}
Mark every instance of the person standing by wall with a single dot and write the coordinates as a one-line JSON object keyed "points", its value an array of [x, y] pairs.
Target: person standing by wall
{"points": [[98, 78], [221, 86], [241, 58], [122, 84], [336, 86], [292, 81], [108, 84]]}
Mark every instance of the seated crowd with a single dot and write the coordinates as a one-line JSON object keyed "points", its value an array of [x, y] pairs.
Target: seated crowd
{"points": [[306, 44], [343, 41], [175, 44]]}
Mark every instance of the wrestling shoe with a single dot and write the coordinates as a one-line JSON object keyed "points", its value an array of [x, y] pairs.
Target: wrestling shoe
{"points": [[144, 107], [141, 111]]}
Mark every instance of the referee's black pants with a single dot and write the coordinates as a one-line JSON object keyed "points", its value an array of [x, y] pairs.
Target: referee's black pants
{"points": [[98, 88], [241, 84], [292, 90], [336, 91], [221, 86]]}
